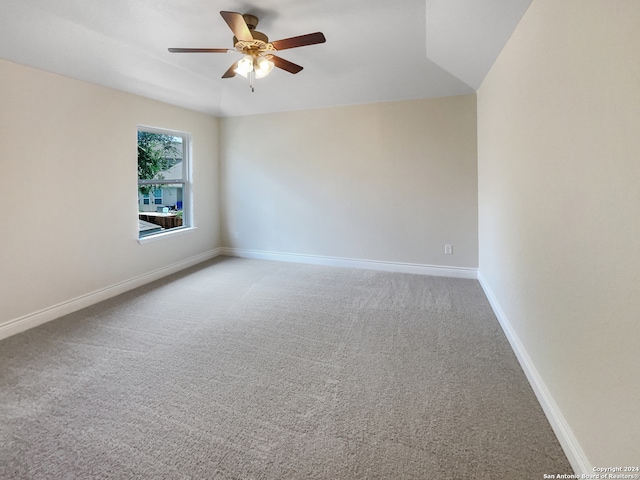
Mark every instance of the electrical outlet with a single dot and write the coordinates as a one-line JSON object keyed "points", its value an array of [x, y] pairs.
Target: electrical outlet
{"points": [[448, 249]]}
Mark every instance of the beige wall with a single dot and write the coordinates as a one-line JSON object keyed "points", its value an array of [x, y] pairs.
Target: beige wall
{"points": [[69, 189], [388, 182], [559, 210]]}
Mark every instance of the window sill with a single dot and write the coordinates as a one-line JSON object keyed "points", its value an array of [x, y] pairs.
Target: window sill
{"points": [[171, 233]]}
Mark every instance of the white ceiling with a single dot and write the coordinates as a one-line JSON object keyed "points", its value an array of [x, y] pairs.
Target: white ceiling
{"points": [[376, 50]]}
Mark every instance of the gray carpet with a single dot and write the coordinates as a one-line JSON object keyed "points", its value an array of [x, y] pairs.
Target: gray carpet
{"points": [[247, 369]]}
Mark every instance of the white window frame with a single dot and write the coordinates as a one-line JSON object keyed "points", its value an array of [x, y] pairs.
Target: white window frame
{"points": [[186, 182]]}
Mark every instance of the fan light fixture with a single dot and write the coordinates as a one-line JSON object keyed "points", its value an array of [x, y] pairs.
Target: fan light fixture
{"points": [[253, 67], [245, 65], [264, 67]]}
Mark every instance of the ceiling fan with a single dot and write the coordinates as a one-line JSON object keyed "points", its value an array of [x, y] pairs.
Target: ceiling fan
{"points": [[258, 59]]}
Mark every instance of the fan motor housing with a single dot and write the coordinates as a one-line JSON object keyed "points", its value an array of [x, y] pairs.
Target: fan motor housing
{"points": [[260, 42], [258, 36]]}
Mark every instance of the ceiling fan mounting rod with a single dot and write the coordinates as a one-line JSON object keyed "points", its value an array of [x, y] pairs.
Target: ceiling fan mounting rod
{"points": [[251, 21]]}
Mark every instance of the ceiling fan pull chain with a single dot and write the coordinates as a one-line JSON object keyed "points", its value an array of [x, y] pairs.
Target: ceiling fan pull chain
{"points": [[252, 75]]}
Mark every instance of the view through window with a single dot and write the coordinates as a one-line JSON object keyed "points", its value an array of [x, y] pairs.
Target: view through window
{"points": [[163, 181]]}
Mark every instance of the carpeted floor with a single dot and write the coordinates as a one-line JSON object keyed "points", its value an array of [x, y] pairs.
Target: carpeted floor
{"points": [[247, 369]]}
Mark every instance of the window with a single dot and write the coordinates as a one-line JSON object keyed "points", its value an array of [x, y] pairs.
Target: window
{"points": [[163, 181]]}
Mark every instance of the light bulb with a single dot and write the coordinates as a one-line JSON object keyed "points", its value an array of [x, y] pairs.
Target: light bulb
{"points": [[263, 67], [245, 65]]}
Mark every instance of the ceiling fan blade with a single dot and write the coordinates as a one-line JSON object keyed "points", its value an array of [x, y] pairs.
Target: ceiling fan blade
{"points": [[199, 50], [237, 25], [231, 72], [300, 41], [285, 64]]}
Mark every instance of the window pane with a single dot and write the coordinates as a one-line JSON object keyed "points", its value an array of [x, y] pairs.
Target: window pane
{"points": [[160, 156], [165, 213]]}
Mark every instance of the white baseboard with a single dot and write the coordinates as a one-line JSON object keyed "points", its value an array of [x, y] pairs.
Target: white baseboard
{"points": [[51, 313], [572, 449], [435, 270]]}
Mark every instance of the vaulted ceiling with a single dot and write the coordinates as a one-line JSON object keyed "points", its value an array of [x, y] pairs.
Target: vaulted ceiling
{"points": [[376, 50]]}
